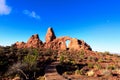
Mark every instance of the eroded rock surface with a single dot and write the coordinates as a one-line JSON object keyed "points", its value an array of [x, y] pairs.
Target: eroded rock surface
{"points": [[54, 43], [78, 44], [34, 41], [50, 36], [58, 43], [19, 44]]}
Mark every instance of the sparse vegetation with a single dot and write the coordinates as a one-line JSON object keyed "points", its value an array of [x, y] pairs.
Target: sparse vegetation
{"points": [[26, 63], [30, 63]]}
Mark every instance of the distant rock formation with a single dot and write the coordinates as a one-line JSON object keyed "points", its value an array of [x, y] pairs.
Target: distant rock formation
{"points": [[58, 43], [54, 43], [78, 44], [19, 44], [50, 36], [34, 41]]}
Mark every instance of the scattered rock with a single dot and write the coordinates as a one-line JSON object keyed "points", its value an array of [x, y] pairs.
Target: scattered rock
{"points": [[90, 73]]}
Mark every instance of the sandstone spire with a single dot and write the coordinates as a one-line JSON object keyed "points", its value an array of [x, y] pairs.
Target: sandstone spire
{"points": [[50, 36]]}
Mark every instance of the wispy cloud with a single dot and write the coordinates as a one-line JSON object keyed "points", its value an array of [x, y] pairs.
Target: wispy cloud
{"points": [[31, 14], [4, 8]]}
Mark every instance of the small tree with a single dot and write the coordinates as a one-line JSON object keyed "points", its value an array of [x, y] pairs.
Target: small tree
{"points": [[27, 67]]}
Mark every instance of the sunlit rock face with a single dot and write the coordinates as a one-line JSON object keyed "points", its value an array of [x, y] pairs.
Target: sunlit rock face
{"points": [[78, 44], [54, 43], [58, 43], [50, 35], [34, 41], [19, 44]]}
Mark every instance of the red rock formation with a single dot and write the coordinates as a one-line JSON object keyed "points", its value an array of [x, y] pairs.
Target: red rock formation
{"points": [[19, 44], [50, 36], [78, 44], [34, 41], [58, 43], [53, 42], [74, 44], [85, 46]]}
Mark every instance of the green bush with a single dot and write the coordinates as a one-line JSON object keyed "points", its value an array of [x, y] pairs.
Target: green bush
{"points": [[62, 58], [90, 65], [97, 66], [112, 67]]}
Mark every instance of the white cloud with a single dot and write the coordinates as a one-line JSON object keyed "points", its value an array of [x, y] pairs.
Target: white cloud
{"points": [[31, 14], [4, 9]]}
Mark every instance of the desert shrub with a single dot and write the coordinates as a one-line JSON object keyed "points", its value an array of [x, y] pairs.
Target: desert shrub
{"points": [[92, 58], [17, 68], [79, 72], [62, 59], [30, 60], [48, 52], [4, 63], [81, 54], [90, 65], [116, 55], [112, 67], [1, 50], [7, 58], [101, 60], [106, 53], [26, 68], [73, 56], [97, 66], [89, 58]]}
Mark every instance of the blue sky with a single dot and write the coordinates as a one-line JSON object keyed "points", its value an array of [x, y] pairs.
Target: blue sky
{"points": [[95, 21]]}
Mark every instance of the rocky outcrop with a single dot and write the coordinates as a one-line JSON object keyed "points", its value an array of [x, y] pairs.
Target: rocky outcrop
{"points": [[58, 43], [78, 44], [74, 44], [50, 36], [34, 41], [19, 44], [54, 43]]}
